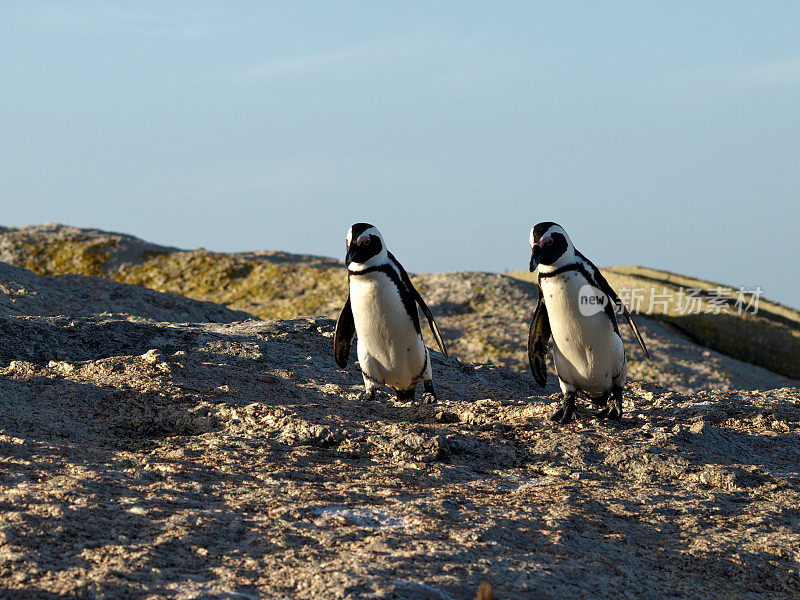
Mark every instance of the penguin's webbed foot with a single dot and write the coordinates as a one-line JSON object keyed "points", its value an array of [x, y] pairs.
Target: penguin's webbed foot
{"points": [[429, 395], [566, 413], [406, 395], [368, 395], [612, 410], [563, 415]]}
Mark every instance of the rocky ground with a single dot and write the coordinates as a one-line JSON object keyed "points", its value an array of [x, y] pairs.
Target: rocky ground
{"points": [[154, 446]]}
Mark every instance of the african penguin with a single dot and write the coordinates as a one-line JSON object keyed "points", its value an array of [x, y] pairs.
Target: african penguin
{"points": [[382, 311], [578, 307]]}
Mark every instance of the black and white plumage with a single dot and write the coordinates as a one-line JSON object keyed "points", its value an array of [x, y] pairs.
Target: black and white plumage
{"points": [[578, 308], [381, 310]]}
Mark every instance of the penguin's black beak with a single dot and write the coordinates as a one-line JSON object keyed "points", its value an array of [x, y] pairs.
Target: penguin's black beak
{"points": [[535, 258], [356, 254]]}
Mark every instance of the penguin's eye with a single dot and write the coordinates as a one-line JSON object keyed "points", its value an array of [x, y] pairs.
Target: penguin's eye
{"points": [[548, 242], [364, 242]]}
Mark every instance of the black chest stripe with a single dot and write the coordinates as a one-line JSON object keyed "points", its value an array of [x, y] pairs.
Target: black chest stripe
{"points": [[405, 294], [565, 268]]}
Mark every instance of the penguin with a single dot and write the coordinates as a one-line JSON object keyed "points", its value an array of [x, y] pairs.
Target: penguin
{"points": [[381, 310], [578, 307]]}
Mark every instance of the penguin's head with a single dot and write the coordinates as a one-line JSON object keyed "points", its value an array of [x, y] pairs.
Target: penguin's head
{"points": [[365, 245], [550, 245]]}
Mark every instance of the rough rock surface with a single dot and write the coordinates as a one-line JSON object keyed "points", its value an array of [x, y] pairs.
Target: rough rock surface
{"points": [[149, 452], [25, 293], [267, 284]]}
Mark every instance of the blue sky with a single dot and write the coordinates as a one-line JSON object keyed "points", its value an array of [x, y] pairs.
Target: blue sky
{"points": [[660, 134]]}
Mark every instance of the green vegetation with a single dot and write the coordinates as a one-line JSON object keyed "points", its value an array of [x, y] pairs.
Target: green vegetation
{"points": [[264, 289], [63, 256]]}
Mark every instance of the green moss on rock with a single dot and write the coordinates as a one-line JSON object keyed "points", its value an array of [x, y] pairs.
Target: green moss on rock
{"points": [[264, 289], [60, 257]]}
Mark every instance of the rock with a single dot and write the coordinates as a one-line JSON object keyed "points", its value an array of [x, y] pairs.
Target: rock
{"points": [[152, 356], [150, 455]]}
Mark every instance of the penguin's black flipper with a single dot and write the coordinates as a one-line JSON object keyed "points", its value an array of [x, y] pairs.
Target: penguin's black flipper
{"points": [[538, 338], [603, 284], [635, 329], [425, 310], [343, 336], [434, 328]]}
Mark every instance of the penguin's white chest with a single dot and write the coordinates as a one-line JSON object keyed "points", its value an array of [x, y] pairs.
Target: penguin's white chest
{"points": [[389, 347], [588, 352]]}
